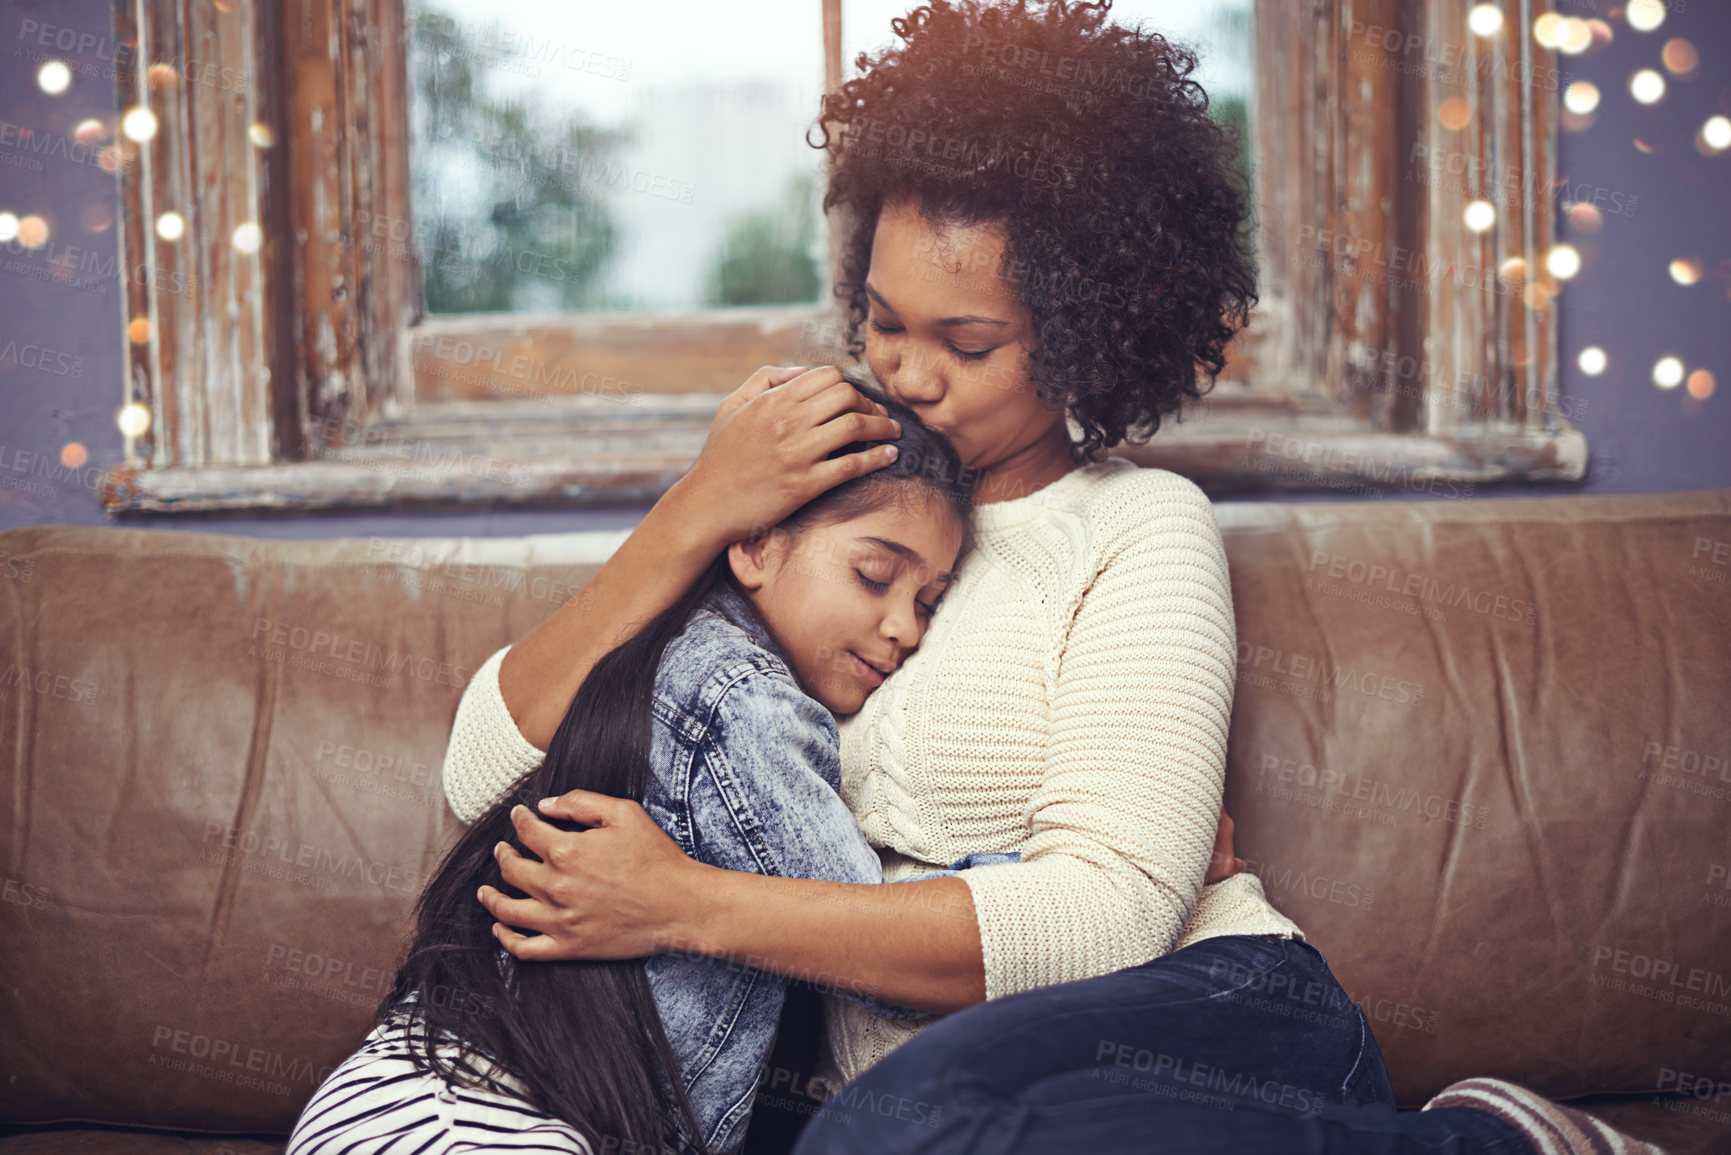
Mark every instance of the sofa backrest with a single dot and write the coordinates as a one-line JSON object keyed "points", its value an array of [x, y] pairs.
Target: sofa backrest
{"points": [[1479, 754]]}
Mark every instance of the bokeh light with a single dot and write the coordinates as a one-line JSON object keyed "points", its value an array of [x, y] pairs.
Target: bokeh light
{"points": [[54, 77], [1687, 270], [1668, 372], [1581, 97], [1454, 114], [1716, 133], [73, 455], [133, 419], [138, 331], [247, 238], [1645, 15], [138, 124], [33, 232], [260, 134], [1563, 261], [1548, 31], [1481, 216], [1593, 360], [1485, 20], [1647, 86], [1701, 384], [1586, 217], [8, 228], [171, 226], [1680, 57], [1576, 37]]}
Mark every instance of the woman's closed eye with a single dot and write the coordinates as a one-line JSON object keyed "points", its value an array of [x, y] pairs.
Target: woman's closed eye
{"points": [[964, 354]]}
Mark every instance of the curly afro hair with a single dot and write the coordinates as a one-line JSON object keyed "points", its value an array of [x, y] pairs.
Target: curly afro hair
{"points": [[1086, 141]]}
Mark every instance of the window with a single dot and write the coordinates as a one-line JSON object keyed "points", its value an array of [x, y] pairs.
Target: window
{"points": [[353, 315]]}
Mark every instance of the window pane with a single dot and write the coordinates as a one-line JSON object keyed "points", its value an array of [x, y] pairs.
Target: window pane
{"points": [[648, 157]]}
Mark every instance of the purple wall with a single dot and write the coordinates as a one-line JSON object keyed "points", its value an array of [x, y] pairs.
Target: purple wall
{"points": [[61, 344]]}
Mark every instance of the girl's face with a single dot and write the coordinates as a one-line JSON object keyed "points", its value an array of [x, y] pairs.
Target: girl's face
{"points": [[847, 602], [950, 338]]}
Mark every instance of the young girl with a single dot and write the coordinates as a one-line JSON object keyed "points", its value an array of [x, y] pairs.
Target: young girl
{"points": [[717, 717]]}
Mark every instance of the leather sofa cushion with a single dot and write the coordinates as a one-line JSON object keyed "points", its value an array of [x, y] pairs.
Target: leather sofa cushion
{"points": [[1477, 755]]}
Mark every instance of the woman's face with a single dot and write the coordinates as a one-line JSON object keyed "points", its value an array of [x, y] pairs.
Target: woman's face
{"points": [[949, 337], [847, 602]]}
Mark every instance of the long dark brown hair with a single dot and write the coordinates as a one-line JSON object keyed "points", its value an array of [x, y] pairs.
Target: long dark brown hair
{"points": [[584, 1039]]}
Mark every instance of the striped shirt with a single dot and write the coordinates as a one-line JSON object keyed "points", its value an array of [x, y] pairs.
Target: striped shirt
{"points": [[379, 1101]]}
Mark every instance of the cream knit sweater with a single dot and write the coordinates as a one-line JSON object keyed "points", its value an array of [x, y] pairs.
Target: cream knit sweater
{"points": [[1070, 700]]}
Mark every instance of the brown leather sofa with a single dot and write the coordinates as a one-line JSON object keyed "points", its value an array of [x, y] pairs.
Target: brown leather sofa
{"points": [[1481, 753]]}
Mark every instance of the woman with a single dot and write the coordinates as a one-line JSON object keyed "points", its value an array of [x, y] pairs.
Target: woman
{"points": [[1030, 248], [716, 716]]}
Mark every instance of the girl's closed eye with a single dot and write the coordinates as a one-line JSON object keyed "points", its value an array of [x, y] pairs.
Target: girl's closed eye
{"points": [[879, 587]]}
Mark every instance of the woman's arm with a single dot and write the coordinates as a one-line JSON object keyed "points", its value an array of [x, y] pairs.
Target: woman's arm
{"points": [[764, 458], [623, 889]]}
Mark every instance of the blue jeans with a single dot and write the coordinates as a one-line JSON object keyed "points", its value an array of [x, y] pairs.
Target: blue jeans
{"points": [[1243, 1043]]}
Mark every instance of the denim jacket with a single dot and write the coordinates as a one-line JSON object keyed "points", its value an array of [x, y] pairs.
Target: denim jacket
{"points": [[746, 773]]}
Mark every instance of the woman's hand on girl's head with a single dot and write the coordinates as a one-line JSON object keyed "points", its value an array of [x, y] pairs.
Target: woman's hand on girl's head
{"points": [[766, 454], [613, 891]]}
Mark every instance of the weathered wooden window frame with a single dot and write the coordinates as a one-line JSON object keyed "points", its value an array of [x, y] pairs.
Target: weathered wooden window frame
{"points": [[286, 376]]}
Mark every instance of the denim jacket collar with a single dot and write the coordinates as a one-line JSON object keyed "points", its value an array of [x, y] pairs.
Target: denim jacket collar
{"points": [[726, 601]]}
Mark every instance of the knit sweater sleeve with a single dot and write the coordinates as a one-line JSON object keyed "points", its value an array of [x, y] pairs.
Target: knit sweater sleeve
{"points": [[1123, 821], [487, 754]]}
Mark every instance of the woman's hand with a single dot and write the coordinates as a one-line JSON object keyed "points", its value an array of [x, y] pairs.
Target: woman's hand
{"points": [[1223, 863], [609, 892], [766, 453]]}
